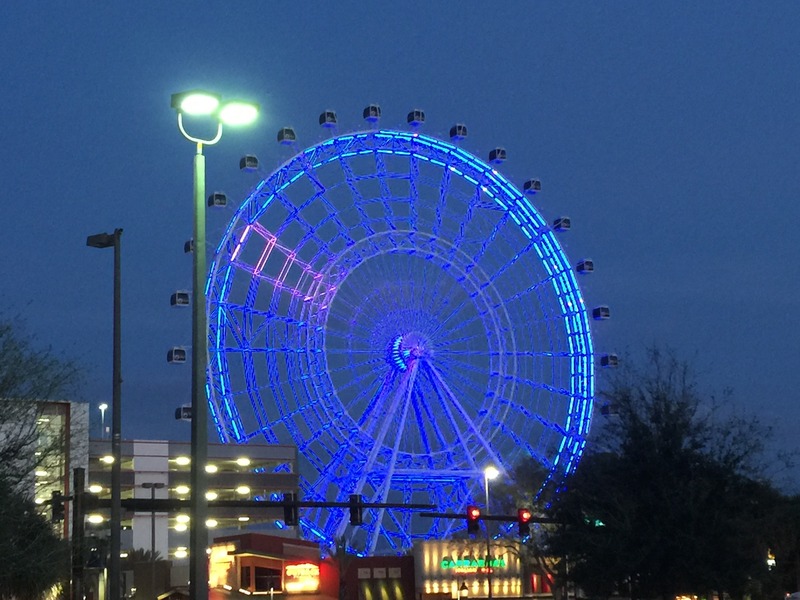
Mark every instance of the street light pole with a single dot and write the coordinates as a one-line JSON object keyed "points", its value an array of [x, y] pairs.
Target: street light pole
{"points": [[489, 472], [106, 240], [198, 102], [198, 536], [153, 487]]}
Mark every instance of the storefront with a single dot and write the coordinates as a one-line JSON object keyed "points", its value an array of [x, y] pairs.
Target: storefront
{"points": [[380, 578], [256, 564], [459, 569]]}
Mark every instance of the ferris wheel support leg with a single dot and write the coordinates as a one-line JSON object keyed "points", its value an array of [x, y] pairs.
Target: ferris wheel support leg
{"points": [[387, 481], [458, 433], [493, 457], [402, 392]]}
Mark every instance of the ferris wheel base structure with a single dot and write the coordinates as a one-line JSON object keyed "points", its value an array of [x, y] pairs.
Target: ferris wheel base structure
{"points": [[401, 312]]}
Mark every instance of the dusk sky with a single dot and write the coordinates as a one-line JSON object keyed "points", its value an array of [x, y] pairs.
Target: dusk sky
{"points": [[668, 132]]}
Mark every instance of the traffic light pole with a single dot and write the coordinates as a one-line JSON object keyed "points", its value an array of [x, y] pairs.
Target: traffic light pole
{"points": [[78, 484]]}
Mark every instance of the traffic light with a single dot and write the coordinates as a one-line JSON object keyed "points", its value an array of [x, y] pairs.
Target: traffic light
{"points": [[56, 507], [524, 521], [473, 516], [356, 511], [290, 509]]}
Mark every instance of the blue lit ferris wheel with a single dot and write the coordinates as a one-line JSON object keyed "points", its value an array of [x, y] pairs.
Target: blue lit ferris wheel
{"points": [[403, 314]]}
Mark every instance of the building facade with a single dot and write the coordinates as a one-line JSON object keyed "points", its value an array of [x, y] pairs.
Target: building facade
{"points": [[161, 469], [62, 434]]}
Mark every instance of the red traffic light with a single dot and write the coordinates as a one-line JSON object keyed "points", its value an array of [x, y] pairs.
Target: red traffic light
{"points": [[524, 516], [473, 516]]}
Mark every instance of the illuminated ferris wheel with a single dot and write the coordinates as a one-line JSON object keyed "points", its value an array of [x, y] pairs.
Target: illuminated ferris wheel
{"points": [[402, 313]]}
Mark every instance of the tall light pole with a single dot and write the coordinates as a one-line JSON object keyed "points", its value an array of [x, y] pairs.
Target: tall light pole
{"points": [[489, 473], [103, 408], [204, 104], [153, 487], [112, 240]]}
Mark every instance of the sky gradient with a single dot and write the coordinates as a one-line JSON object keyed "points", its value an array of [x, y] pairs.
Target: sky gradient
{"points": [[668, 133]]}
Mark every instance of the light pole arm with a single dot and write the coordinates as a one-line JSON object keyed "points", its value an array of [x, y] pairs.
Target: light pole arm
{"points": [[210, 142]]}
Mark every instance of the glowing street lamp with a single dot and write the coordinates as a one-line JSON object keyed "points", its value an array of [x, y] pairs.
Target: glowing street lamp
{"points": [[103, 407], [489, 473], [201, 103]]}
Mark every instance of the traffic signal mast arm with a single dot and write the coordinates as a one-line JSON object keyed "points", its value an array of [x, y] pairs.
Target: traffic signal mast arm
{"points": [[482, 517], [168, 504]]}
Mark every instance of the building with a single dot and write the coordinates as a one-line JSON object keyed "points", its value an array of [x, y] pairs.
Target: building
{"points": [[254, 564], [457, 568], [61, 433], [161, 469]]}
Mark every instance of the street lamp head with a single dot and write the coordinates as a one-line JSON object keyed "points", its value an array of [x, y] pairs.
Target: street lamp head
{"points": [[195, 102], [103, 406], [238, 112], [100, 240], [491, 472], [206, 104]]}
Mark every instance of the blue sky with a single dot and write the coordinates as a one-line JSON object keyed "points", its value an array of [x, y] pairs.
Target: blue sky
{"points": [[668, 133]]}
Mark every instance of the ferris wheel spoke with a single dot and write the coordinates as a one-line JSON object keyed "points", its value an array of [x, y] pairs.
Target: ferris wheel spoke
{"points": [[498, 226], [444, 397], [457, 368], [371, 415], [462, 305], [524, 411], [423, 414], [358, 382], [462, 340], [463, 413], [469, 387]]}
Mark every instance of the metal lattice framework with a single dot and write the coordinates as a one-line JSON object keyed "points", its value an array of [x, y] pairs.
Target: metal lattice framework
{"points": [[401, 312]]}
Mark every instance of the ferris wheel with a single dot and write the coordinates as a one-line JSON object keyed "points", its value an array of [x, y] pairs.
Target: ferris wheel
{"points": [[401, 312]]}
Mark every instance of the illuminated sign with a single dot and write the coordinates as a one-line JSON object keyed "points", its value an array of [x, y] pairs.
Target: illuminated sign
{"points": [[471, 565], [302, 577]]}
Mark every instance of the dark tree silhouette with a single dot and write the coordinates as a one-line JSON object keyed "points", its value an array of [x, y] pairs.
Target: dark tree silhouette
{"points": [[668, 500]]}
